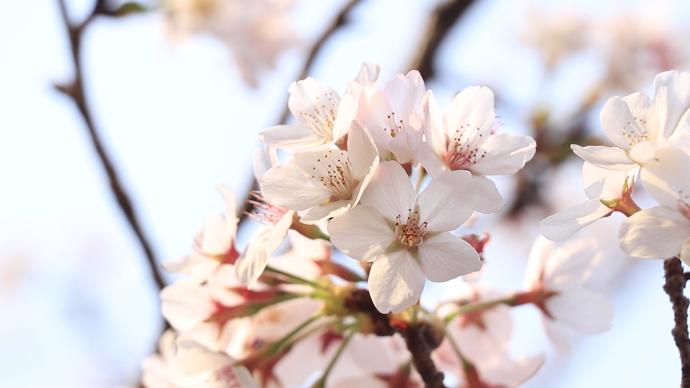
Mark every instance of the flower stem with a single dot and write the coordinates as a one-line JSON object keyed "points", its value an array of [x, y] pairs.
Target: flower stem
{"points": [[304, 324], [322, 381], [675, 283]]}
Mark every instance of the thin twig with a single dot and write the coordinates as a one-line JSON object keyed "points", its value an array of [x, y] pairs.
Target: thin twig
{"points": [[675, 283], [75, 90]]}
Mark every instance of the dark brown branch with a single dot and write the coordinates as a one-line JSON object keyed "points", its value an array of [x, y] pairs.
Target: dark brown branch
{"points": [[75, 90], [442, 20], [421, 357], [675, 283]]}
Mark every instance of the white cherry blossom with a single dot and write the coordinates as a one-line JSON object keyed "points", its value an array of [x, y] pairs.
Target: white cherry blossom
{"points": [[464, 139], [558, 277], [638, 126], [601, 185], [662, 231], [406, 237], [326, 181], [392, 115]]}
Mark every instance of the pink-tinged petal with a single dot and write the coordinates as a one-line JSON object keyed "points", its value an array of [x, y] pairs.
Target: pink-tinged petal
{"points": [[369, 74], [253, 261], [667, 175], [541, 249], [219, 284], [562, 226], [327, 210], [274, 322], [361, 382], [218, 235], [483, 342], [400, 147], [572, 264], [618, 122], [362, 233], [654, 233], [244, 377], [379, 355], [287, 186], [506, 372], [291, 136], [506, 153], [486, 198], [559, 335], [432, 162], [347, 112], [582, 310], [444, 204], [230, 204], [193, 358], [685, 252], [671, 100], [263, 159], [404, 94], [433, 123], [362, 153], [185, 304], [611, 158], [196, 264], [472, 108], [443, 257], [279, 232], [307, 95], [374, 114], [601, 183], [395, 281], [390, 191]]}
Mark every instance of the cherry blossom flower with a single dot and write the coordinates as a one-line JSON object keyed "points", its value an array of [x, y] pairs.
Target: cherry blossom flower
{"points": [[255, 31], [323, 118], [662, 231], [214, 244], [637, 127], [463, 139], [328, 181], [406, 237], [606, 190], [557, 277], [393, 118]]}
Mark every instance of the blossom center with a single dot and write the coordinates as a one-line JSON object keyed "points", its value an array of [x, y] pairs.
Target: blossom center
{"points": [[410, 233], [395, 126], [463, 148], [635, 132], [265, 212], [334, 174], [323, 116]]}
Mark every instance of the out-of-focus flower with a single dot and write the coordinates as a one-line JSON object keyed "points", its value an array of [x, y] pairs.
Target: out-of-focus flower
{"points": [[214, 244], [330, 182], [606, 190], [556, 277], [392, 115], [463, 139], [323, 118], [638, 127], [255, 31], [662, 231], [406, 237]]}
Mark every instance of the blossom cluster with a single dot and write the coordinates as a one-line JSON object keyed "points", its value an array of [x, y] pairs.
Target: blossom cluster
{"points": [[255, 317]]}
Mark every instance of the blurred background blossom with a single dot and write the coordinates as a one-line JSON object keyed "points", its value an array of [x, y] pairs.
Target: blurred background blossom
{"points": [[179, 91]]}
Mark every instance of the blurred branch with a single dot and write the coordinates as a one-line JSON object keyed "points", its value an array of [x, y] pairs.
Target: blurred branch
{"points": [[442, 20], [675, 283], [421, 357], [75, 90], [340, 20]]}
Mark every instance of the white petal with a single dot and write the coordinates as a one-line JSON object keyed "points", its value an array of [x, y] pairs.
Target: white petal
{"points": [[571, 264], [645, 150], [486, 198], [362, 233], [347, 111], [443, 205], [433, 123], [264, 159], [195, 264], [279, 232], [362, 153], [601, 183], [612, 158], [541, 249], [390, 191], [654, 233], [472, 108], [506, 153], [400, 146], [638, 103], [395, 282], [368, 74], [685, 252], [582, 310], [443, 257], [667, 175], [562, 226], [559, 334], [431, 161], [253, 261], [217, 235], [374, 114], [326, 210], [287, 186], [193, 358], [617, 121], [404, 94], [230, 204], [671, 100], [184, 304], [291, 136]]}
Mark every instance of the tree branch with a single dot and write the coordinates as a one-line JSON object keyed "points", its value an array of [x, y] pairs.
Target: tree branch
{"points": [[75, 90], [675, 283], [421, 357]]}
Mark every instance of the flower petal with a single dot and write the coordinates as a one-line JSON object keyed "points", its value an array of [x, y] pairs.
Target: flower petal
{"points": [[431, 160], [562, 226], [611, 158], [506, 153], [541, 249], [486, 198], [251, 264], [443, 257], [369, 74], [473, 108], [326, 210], [390, 191], [290, 136], [685, 252], [395, 282], [582, 310], [287, 186], [671, 100], [654, 233], [433, 123], [362, 233], [601, 183], [217, 235], [362, 153], [571, 264], [667, 175], [559, 334], [263, 159], [617, 121], [444, 204]]}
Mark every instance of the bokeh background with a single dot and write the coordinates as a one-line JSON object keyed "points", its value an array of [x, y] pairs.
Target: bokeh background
{"points": [[78, 305]]}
